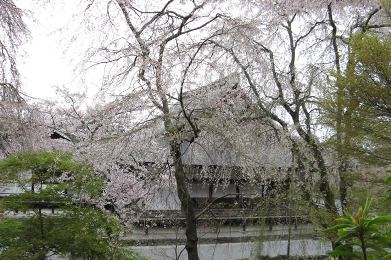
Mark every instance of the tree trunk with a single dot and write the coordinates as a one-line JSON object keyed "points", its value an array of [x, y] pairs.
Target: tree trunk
{"points": [[324, 182], [339, 113], [300, 173], [347, 132], [343, 186], [187, 204]]}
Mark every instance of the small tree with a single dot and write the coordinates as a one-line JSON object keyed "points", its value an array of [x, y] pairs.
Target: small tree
{"points": [[362, 236], [53, 180]]}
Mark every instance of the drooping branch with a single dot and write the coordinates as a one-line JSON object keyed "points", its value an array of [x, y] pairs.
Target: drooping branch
{"points": [[252, 85], [14, 31]]}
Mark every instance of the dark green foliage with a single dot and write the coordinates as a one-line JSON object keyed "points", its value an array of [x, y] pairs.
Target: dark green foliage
{"points": [[361, 236], [53, 180], [48, 168]]}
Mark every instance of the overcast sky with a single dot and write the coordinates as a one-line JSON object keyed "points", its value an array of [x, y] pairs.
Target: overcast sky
{"points": [[45, 62]]}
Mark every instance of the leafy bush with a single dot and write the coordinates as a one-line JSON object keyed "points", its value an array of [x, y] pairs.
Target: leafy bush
{"points": [[361, 236], [53, 180]]}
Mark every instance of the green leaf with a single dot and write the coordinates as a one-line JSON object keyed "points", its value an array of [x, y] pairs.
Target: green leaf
{"points": [[376, 246], [380, 220], [367, 206], [342, 251], [346, 236], [383, 239], [337, 227], [344, 220]]}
